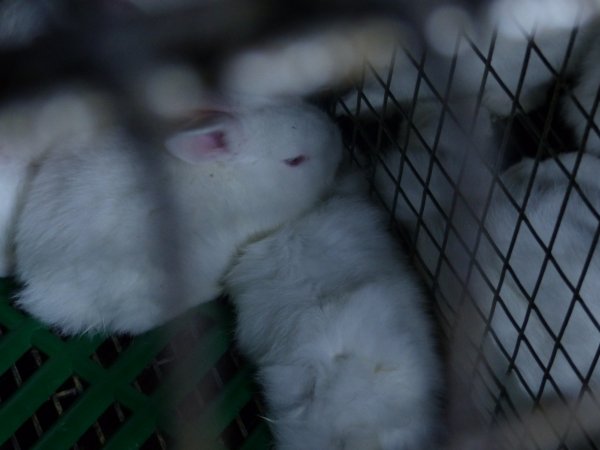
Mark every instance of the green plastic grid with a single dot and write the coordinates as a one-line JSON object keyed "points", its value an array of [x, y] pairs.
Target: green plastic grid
{"points": [[126, 393]]}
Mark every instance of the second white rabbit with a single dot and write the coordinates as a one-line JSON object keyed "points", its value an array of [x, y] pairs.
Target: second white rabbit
{"points": [[336, 321]]}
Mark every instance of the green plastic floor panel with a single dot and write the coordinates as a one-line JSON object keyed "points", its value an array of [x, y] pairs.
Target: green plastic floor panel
{"points": [[179, 386]]}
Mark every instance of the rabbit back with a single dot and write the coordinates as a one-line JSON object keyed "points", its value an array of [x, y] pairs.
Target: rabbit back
{"points": [[327, 306]]}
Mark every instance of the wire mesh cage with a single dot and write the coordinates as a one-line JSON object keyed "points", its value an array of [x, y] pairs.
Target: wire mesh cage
{"points": [[483, 151], [496, 199]]}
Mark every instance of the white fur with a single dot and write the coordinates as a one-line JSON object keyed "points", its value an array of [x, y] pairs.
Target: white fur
{"points": [[28, 128], [573, 244], [457, 229], [335, 320], [104, 243], [585, 90], [12, 179], [310, 60]]}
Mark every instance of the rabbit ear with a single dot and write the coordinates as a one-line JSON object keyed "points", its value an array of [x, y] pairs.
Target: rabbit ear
{"points": [[205, 140]]}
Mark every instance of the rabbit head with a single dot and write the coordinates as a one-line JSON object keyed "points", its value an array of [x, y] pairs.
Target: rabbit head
{"points": [[266, 162]]}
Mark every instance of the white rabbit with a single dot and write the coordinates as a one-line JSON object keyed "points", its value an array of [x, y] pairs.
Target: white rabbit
{"points": [[567, 271], [28, 127], [585, 90], [335, 320], [105, 244], [465, 266], [534, 302]]}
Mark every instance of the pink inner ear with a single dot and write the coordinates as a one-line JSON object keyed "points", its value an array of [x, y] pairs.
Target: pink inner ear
{"points": [[196, 146]]}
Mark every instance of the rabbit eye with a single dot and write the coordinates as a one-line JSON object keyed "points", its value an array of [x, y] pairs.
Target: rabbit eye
{"points": [[293, 162]]}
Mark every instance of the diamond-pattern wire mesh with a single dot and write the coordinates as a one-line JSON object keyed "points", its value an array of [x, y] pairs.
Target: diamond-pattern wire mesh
{"points": [[183, 379], [513, 354]]}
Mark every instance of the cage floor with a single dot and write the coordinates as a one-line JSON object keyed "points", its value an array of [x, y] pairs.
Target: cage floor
{"points": [[178, 386]]}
